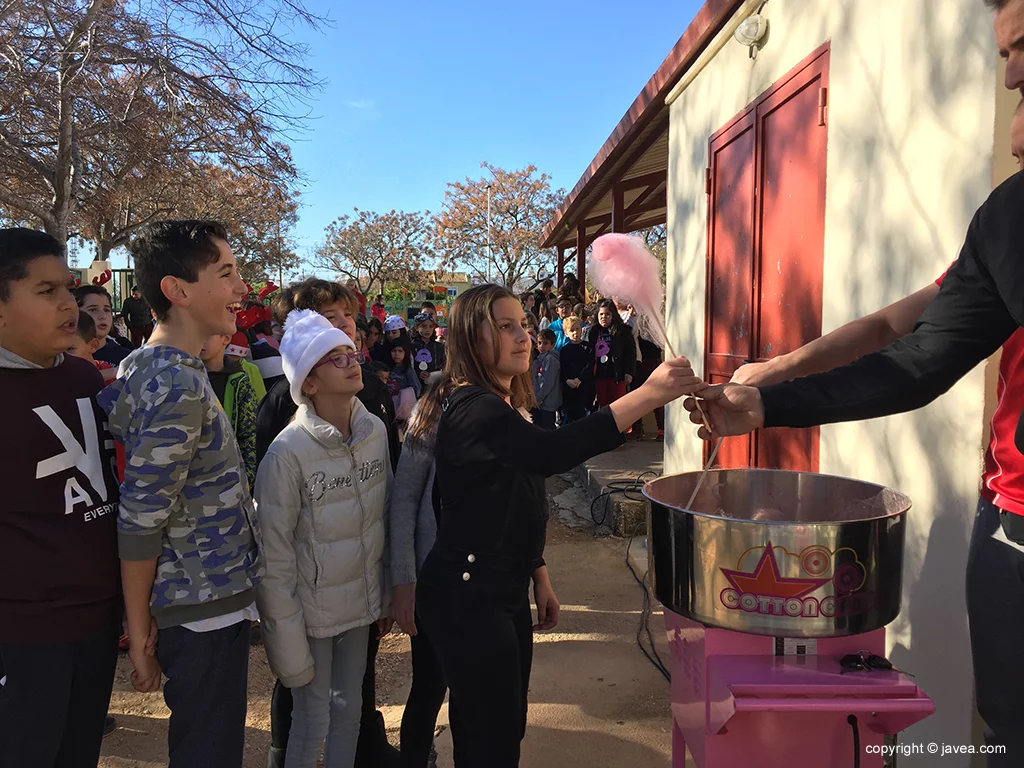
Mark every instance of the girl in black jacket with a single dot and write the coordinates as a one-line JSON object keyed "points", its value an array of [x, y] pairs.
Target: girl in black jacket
{"points": [[614, 353], [472, 596]]}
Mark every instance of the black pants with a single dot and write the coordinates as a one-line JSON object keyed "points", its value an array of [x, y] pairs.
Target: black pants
{"points": [[207, 682], [425, 699], [995, 608], [482, 631], [55, 700], [373, 738]]}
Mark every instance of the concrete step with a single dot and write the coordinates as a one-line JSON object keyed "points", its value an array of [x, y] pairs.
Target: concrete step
{"points": [[625, 513]]}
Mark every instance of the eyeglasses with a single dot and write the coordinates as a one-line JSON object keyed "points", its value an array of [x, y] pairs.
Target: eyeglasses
{"points": [[340, 360]]}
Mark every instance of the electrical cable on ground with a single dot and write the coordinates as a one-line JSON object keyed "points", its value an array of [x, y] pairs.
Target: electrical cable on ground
{"points": [[625, 487], [645, 617], [631, 490]]}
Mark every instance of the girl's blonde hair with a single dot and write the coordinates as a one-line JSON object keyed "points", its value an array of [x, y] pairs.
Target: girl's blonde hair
{"points": [[464, 362]]}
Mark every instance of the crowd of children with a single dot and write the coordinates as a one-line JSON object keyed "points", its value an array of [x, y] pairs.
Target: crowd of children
{"points": [[240, 466], [587, 357]]}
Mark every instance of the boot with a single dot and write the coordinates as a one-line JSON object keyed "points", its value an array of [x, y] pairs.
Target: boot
{"points": [[373, 749], [275, 759]]}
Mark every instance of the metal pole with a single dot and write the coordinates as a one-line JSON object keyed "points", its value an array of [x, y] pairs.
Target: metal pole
{"points": [[280, 259], [488, 233]]}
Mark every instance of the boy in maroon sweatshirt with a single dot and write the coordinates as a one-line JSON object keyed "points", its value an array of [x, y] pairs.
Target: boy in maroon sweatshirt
{"points": [[60, 600]]}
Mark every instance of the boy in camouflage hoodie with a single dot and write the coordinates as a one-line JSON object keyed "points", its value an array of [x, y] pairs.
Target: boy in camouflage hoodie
{"points": [[187, 535]]}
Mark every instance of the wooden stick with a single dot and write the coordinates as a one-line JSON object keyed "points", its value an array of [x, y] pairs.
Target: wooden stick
{"points": [[664, 334], [703, 474]]}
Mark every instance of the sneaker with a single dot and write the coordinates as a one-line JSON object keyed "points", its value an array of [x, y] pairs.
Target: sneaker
{"points": [[661, 436], [124, 644], [109, 726]]}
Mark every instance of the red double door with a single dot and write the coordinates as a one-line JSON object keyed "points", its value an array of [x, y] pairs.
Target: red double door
{"points": [[766, 229]]}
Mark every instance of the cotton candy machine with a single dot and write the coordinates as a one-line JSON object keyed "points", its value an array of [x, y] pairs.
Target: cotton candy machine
{"points": [[769, 579]]}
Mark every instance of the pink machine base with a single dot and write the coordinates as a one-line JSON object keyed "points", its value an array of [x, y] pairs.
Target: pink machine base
{"points": [[735, 703]]}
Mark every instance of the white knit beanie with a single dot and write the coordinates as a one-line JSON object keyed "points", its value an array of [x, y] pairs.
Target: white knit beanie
{"points": [[308, 337]]}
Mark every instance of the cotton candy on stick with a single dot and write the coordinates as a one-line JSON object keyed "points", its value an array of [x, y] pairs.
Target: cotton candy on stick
{"points": [[622, 267]]}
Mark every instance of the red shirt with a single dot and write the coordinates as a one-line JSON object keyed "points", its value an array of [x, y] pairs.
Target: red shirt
{"points": [[1002, 481]]}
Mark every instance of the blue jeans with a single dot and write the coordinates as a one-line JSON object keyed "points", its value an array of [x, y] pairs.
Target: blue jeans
{"points": [[995, 608], [329, 706], [207, 680]]}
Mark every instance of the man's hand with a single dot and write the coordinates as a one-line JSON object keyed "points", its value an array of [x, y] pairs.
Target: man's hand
{"points": [[384, 625], [403, 605], [424, 376], [629, 379], [755, 375], [146, 671], [573, 383], [732, 410]]}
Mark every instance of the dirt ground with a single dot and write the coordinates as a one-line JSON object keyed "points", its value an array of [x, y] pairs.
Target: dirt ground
{"points": [[594, 699]]}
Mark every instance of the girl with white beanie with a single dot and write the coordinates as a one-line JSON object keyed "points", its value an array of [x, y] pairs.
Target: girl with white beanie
{"points": [[321, 492]]}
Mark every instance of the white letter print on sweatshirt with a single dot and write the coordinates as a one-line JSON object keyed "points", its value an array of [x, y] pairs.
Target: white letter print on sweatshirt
{"points": [[86, 459]]}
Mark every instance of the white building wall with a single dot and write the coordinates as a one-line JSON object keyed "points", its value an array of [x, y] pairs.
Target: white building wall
{"points": [[910, 158]]}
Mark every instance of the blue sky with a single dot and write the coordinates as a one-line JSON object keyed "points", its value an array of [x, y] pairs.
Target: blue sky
{"points": [[420, 94]]}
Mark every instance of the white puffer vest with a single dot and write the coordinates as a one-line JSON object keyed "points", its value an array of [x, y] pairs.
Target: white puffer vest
{"points": [[322, 501]]}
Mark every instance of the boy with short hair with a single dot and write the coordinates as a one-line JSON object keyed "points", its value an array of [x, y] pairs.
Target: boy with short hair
{"points": [[60, 596], [577, 372], [427, 351], [236, 393], [564, 308], [85, 343], [187, 534], [95, 299], [547, 381]]}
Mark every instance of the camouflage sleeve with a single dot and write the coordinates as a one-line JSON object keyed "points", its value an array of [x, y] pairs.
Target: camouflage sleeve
{"points": [[159, 448], [247, 403]]}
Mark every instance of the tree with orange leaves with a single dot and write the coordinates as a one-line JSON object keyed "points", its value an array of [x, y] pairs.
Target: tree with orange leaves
{"points": [[374, 249], [522, 204]]}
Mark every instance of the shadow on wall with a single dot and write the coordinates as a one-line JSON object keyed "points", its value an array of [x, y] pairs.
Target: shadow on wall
{"points": [[878, 164]]}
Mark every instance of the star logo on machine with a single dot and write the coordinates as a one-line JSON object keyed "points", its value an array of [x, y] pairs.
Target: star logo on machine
{"points": [[765, 580], [763, 589]]}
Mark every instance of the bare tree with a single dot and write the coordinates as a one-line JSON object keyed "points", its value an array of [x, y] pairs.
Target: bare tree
{"points": [[375, 248], [96, 93], [521, 204]]}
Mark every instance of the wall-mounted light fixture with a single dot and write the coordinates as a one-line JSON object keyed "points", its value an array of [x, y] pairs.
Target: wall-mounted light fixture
{"points": [[753, 32]]}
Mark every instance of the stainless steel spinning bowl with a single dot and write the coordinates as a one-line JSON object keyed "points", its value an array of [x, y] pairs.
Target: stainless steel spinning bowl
{"points": [[770, 552]]}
